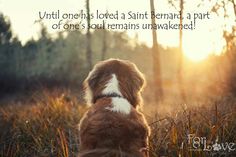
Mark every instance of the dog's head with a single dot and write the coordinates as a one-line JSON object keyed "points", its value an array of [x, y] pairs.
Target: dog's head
{"points": [[114, 77]]}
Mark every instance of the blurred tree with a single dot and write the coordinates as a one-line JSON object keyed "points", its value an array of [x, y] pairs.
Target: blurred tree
{"points": [[229, 11], [104, 39], [104, 48], [230, 38], [44, 57], [9, 48], [29, 58], [88, 34], [5, 30], [158, 91], [224, 5], [180, 59], [10, 56]]}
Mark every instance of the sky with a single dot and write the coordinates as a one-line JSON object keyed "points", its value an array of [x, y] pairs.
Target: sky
{"points": [[197, 43]]}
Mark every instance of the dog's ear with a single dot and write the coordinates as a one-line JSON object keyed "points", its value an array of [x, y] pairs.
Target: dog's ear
{"points": [[94, 76], [138, 78], [95, 82], [91, 80], [88, 85], [133, 82]]}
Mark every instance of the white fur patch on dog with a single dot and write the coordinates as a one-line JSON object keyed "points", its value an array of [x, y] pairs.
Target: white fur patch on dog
{"points": [[120, 105], [112, 86]]}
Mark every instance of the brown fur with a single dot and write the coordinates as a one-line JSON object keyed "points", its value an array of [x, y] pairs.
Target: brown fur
{"points": [[104, 133]]}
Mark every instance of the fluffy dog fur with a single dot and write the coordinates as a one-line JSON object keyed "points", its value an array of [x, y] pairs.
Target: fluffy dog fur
{"points": [[113, 125]]}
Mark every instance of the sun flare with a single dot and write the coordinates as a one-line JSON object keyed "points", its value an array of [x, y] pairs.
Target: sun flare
{"points": [[199, 50], [195, 52]]}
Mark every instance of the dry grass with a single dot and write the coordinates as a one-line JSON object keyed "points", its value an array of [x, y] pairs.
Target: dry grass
{"points": [[49, 128], [215, 120]]}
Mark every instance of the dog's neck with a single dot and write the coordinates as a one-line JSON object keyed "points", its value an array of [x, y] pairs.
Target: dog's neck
{"points": [[109, 95]]}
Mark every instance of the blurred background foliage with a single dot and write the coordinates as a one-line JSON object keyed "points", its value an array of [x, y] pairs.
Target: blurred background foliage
{"points": [[61, 62]]}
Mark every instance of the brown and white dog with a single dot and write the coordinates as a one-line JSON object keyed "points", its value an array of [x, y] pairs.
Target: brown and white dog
{"points": [[113, 125]]}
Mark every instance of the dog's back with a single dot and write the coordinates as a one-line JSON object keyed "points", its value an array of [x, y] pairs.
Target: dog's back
{"points": [[103, 128]]}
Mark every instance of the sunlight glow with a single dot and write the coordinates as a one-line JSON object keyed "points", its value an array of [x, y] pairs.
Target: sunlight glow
{"points": [[196, 55], [201, 49], [197, 44]]}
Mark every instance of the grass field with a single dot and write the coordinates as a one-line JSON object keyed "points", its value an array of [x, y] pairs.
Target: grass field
{"points": [[48, 128]]}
